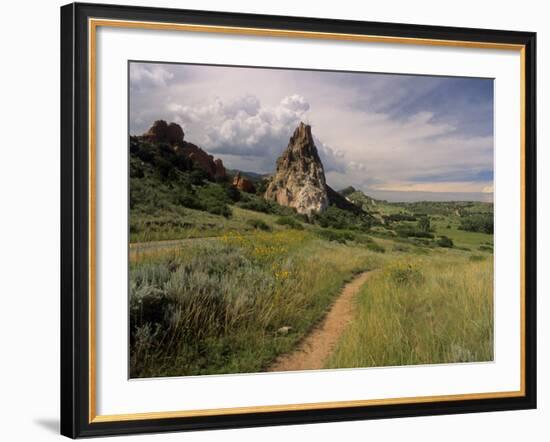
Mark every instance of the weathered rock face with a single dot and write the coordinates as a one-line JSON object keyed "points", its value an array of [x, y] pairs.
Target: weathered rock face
{"points": [[162, 132], [243, 184], [299, 181], [157, 132], [220, 170], [202, 159], [174, 134]]}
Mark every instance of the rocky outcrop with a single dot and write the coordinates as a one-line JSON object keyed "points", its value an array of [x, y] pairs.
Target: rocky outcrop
{"points": [[157, 132], [219, 171], [162, 132], [202, 159], [243, 184], [172, 134], [299, 181]]}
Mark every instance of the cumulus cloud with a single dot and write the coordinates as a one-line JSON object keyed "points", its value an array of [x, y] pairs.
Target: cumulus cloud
{"points": [[296, 103], [243, 126], [148, 75], [333, 158]]}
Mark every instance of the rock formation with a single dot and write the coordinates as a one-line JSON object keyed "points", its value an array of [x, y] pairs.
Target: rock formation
{"points": [[157, 132], [172, 134], [202, 159], [243, 184], [219, 171], [299, 181]]}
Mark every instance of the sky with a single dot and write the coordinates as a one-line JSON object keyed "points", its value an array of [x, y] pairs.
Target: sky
{"points": [[395, 137]]}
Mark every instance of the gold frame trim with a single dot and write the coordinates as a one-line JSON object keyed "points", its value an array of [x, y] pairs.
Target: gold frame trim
{"points": [[93, 24]]}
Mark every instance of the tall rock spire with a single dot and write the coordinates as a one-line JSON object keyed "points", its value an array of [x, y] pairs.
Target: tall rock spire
{"points": [[299, 181]]}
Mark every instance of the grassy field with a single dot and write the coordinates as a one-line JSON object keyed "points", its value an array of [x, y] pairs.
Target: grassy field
{"points": [[433, 309], [216, 306], [185, 223], [214, 303], [223, 281]]}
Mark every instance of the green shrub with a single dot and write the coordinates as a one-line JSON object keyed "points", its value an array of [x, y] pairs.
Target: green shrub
{"points": [[290, 222], [396, 217], [375, 247], [421, 242], [198, 176], [423, 224], [362, 239], [214, 199], [336, 218], [445, 241], [259, 204], [335, 235], [261, 186], [400, 248], [484, 248], [165, 161], [405, 231], [216, 208], [190, 199], [403, 274], [232, 193], [478, 223], [258, 224]]}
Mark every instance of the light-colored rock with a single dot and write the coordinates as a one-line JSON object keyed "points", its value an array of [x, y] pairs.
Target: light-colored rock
{"points": [[284, 330], [299, 181]]}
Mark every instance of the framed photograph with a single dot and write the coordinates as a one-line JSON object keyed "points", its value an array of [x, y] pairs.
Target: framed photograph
{"points": [[274, 220]]}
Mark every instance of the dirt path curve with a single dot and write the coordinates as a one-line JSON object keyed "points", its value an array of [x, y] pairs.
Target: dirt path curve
{"points": [[316, 348]]}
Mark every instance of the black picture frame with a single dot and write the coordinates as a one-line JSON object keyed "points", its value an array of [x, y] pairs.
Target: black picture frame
{"points": [[75, 220]]}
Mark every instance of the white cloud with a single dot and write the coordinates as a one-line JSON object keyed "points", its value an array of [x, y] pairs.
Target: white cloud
{"points": [[379, 149], [243, 126], [295, 102], [143, 75]]}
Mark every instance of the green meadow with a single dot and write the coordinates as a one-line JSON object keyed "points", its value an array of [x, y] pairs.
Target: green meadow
{"points": [[209, 294], [223, 281]]}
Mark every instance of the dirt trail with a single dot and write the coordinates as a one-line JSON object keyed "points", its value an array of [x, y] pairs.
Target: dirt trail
{"points": [[316, 348]]}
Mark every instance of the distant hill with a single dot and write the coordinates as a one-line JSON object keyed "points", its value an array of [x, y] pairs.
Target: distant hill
{"points": [[358, 198], [342, 202]]}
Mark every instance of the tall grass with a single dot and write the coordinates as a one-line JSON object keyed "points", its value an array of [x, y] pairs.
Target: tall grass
{"points": [[216, 307], [437, 310]]}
